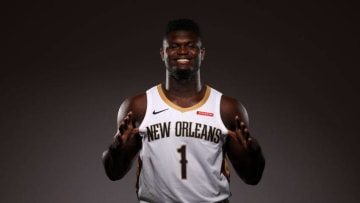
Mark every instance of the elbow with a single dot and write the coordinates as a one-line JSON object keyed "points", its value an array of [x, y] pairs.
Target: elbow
{"points": [[115, 174], [109, 171], [252, 181], [113, 177], [254, 176], [113, 171]]}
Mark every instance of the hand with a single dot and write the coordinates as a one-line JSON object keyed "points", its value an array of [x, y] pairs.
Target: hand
{"points": [[127, 129], [242, 134]]}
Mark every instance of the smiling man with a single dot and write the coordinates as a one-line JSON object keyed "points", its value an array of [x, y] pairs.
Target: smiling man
{"points": [[183, 131]]}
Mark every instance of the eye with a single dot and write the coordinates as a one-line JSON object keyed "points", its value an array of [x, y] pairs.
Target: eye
{"points": [[173, 46], [191, 45]]}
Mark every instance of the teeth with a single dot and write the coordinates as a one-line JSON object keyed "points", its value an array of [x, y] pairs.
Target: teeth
{"points": [[183, 60]]}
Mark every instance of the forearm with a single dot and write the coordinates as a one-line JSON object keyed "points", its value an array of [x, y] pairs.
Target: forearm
{"points": [[117, 159], [249, 165]]}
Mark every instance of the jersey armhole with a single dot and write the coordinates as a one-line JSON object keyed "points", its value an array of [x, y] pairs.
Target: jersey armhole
{"points": [[218, 109], [148, 103]]}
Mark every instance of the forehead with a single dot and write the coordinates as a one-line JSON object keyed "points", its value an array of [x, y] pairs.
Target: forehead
{"points": [[181, 36]]}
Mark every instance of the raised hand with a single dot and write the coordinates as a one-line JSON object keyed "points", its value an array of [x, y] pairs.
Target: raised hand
{"points": [[241, 134], [127, 129], [118, 158]]}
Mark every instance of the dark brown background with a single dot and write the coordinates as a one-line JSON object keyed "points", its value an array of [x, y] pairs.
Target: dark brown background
{"points": [[67, 66]]}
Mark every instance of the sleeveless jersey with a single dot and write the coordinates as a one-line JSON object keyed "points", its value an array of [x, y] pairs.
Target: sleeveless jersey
{"points": [[182, 158]]}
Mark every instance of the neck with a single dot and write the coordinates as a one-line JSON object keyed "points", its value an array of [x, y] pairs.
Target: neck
{"points": [[184, 93], [183, 87]]}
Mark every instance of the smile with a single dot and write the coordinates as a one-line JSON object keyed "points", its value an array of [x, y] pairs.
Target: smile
{"points": [[183, 60]]}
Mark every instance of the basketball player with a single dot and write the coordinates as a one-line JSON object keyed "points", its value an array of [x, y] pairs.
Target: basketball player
{"points": [[183, 131]]}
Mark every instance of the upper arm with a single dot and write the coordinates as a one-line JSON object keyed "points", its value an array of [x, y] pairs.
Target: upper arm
{"points": [[229, 108], [137, 105]]}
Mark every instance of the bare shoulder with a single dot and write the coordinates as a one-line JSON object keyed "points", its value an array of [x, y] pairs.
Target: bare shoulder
{"points": [[135, 104], [229, 108]]}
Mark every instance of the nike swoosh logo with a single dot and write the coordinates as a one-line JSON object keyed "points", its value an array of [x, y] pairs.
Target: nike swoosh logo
{"points": [[156, 112]]}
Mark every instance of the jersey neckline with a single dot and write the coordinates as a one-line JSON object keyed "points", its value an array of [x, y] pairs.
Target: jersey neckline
{"points": [[183, 109]]}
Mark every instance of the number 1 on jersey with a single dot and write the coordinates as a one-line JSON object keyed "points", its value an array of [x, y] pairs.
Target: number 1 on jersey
{"points": [[183, 161]]}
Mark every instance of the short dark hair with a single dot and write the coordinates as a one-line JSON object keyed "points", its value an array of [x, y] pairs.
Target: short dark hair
{"points": [[182, 24]]}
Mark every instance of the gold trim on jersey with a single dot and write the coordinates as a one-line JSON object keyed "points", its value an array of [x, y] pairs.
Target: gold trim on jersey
{"points": [[225, 169], [184, 109]]}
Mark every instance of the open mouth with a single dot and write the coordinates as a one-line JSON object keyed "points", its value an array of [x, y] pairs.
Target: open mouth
{"points": [[183, 60]]}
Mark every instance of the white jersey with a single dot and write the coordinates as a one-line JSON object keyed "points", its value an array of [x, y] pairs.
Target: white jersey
{"points": [[182, 158]]}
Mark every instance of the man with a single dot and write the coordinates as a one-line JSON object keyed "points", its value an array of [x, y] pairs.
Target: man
{"points": [[183, 130]]}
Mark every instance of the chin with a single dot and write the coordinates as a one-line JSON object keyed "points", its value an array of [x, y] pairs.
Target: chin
{"points": [[182, 74]]}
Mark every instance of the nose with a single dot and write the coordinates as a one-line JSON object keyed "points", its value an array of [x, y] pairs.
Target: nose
{"points": [[183, 50]]}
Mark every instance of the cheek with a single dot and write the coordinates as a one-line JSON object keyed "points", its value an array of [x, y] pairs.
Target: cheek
{"points": [[165, 56], [168, 54]]}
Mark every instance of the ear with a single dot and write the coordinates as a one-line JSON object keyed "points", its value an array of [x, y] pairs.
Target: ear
{"points": [[202, 52], [162, 53]]}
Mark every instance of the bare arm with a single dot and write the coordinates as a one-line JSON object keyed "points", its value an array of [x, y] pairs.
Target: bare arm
{"points": [[243, 150], [118, 158]]}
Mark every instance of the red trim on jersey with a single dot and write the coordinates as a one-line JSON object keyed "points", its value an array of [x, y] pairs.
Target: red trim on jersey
{"points": [[203, 113]]}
